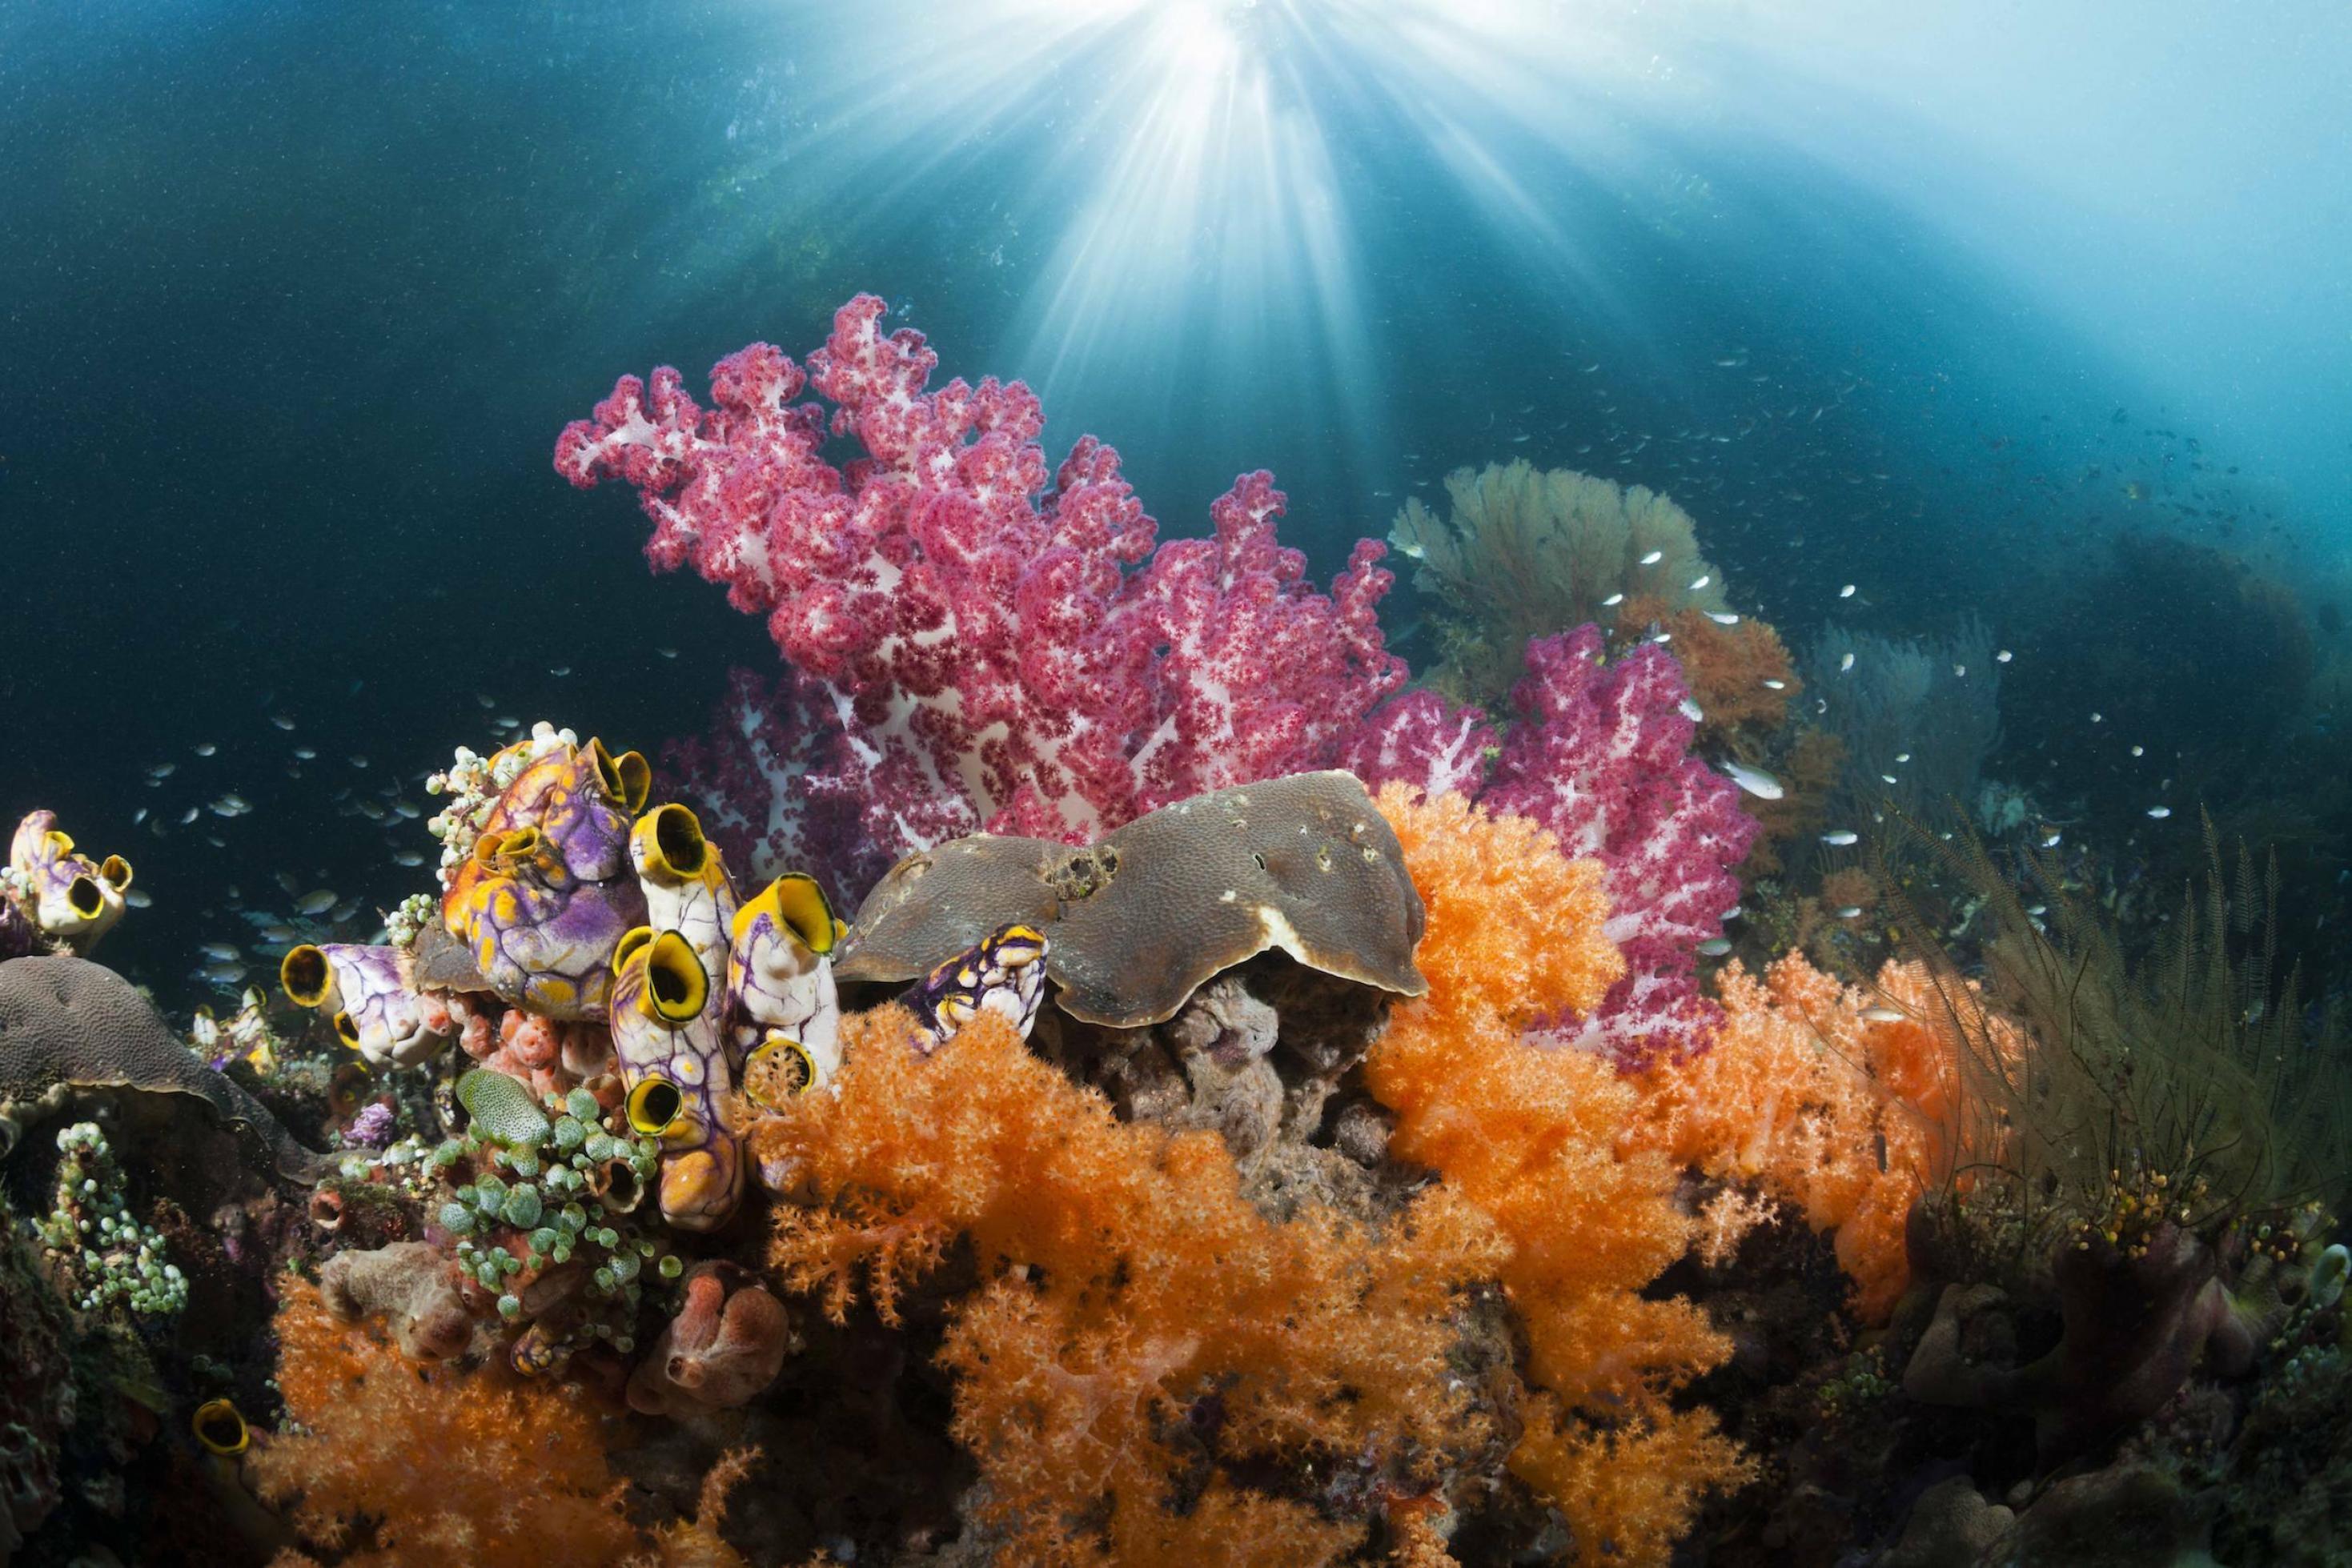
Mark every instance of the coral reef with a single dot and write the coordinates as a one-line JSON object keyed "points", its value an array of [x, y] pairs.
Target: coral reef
{"points": [[98, 1253], [1529, 554], [1599, 758], [995, 660], [1147, 1367], [726, 1342], [1529, 1135], [1141, 920]]}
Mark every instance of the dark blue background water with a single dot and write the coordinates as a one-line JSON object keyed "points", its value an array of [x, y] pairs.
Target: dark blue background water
{"points": [[296, 297]]}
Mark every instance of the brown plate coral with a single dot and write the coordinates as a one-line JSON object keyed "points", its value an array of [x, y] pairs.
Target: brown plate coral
{"points": [[1141, 918]]}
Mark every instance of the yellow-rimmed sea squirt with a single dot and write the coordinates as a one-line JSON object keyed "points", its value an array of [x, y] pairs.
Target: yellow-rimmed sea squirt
{"points": [[666, 1031], [685, 881], [70, 1026], [1140, 919], [220, 1428], [69, 899], [627, 779], [780, 988], [543, 891], [370, 996]]}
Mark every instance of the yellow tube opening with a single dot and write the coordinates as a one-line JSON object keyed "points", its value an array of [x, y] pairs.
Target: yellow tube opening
{"points": [[346, 1031], [304, 974], [673, 847], [83, 898], [675, 986], [635, 937], [486, 848], [115, 872], [796, 903], [637, 779], [220, 1428], [780, 1070], [656, 1105]]}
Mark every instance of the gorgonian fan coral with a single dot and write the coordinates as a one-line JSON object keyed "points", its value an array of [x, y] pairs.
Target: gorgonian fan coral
{"points": [[1531, 1137], [1150, 1370], [1003, 649], [1599, 756]]}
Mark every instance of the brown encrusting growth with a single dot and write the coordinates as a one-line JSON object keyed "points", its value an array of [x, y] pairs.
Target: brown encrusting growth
{"points": [[1140, 919]]}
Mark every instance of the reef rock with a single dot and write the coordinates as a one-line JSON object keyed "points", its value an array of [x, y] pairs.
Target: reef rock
{"points": [[66, 1024], [1139, 920]]}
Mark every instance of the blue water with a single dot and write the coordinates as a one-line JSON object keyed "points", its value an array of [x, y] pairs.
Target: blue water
{"points": [[296, 297]]}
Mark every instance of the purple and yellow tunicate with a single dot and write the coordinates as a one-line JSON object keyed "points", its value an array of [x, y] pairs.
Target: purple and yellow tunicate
{"points": [[546, 893], [71, 900], [1004, 974], [780, 989], [667, 1033], [370, 996]]}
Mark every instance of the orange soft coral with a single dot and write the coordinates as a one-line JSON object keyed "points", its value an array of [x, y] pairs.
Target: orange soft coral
{"points": [[1530, 1137], [1150, 1371], [395, 1463], [1839, 1100]]}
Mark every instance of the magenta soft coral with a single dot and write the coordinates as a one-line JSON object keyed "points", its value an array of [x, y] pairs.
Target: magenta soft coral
{"points": [[1599, 756], [999, 653]]}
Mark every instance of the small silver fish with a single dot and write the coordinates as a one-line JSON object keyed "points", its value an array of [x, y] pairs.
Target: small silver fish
{"points": [[2138, 751], [408, 857], [139, 816], [280, 935], [1755, 781], [305, 754], [1890, 779], [1723, 617], [1846, 664], [1772, 685], [1850, 912], [358, 761], [163, 770], [317, 903], [2003, 658], [1847, 592], [2097, 717], [1959, 671], [2037, 910], [1882, 1015], [1715, 946], [1614, 599], [1841, 838], [1902, 756], [139, 898], [1735, 912], [281, 721], [2052, 841], [672, 653], [2159, 813], [1691, 711], [1701, 581], [205, 748], [189, 815], [221, 952], [559, 671], [345, 911], [1654, 557]]}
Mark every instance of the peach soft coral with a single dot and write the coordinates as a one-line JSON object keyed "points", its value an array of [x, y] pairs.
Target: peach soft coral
{"points": [[1150, 1371], [1530, 1137], [1840, 1100], [388, 1462]]}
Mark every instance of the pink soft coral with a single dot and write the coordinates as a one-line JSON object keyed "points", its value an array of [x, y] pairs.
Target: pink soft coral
{"points": [[999, 651], [1600, 758]]}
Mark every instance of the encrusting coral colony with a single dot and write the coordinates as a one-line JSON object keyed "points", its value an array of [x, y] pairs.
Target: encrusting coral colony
{"points": [[1256, 1111]]}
